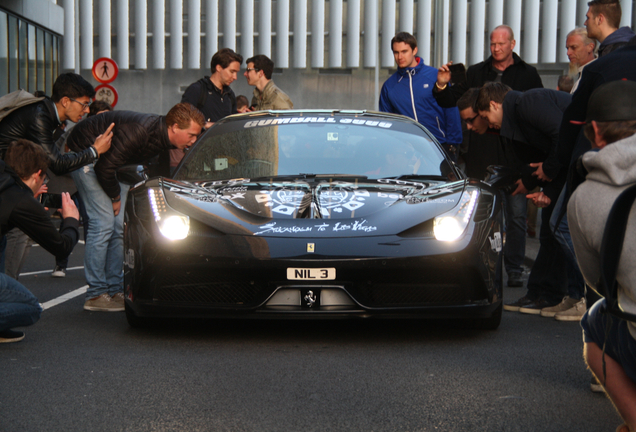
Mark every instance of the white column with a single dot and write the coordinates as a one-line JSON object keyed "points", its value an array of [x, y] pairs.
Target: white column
{"points": [[247, 28], [86, 34], [531, 35], [194, 34], [388, 31], [442, 27], [477, 38], [68, 41], [424, 29], [513, 19], [141, 35], [318, 34], [495, 15], [176, 34], [353, 33], [581, 10], [460, 26], [159, 34], [549, 16], [282, 34], [406, 16], [300, 34], [335, 33], [626, 19], [229, 24], [370, 33], [567, 23], [123, 34], [103, 23], [211, 29], [265, 27]]}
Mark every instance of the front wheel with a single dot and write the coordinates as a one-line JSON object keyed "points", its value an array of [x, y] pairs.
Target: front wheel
{"points": [[135, 321]]}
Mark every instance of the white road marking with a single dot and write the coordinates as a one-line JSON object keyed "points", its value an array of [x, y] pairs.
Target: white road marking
{"points": [[65, 297], [49, 271]]}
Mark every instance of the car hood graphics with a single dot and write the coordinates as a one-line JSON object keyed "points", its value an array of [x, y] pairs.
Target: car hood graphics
{"points": [[322, 208]]}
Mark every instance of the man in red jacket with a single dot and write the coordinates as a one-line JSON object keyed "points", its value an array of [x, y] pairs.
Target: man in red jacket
{"points": [[136, 138]]}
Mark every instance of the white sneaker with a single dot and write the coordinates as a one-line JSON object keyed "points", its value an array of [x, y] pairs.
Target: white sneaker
{"points": [[58, 272]]}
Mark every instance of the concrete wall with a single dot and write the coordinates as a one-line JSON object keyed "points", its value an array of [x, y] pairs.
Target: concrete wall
{"points": [[156, 91]]}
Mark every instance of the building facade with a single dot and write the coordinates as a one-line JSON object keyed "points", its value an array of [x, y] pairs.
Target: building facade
{"points": [[328, 53]]}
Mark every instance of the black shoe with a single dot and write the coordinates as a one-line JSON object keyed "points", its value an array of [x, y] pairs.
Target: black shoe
{"points": [[514, 306], [515, 280], [9, 336], [535, 307]]}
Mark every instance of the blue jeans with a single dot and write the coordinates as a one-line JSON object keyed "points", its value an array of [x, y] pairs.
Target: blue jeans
{"points": [[104, 251], [613, 334], [18, 307], [576, 283], [515, 209]]}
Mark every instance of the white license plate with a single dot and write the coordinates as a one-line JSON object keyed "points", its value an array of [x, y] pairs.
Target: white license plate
{"points": [[311, 273]]}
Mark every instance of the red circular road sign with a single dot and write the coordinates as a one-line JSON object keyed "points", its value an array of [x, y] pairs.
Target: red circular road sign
{"points": [[105, 70], [106, 93]]}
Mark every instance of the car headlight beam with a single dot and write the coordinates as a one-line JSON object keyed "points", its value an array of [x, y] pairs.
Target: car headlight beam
{"points": [[451, 225], [172, 225]]}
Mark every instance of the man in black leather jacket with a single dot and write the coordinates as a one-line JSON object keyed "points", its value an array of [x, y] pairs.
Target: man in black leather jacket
{"points": [[18, 208], [137, 138], [37, 122]]}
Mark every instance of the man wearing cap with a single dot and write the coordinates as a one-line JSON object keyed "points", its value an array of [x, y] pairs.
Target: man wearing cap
{"points": [[610, 343]]}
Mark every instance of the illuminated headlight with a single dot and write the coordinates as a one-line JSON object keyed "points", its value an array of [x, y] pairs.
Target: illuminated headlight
{"points": [[451, 225], [172, 225]]}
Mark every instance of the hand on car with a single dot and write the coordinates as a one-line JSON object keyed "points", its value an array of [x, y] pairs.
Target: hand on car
{"points": [[69, 210], [539, 199], [102, 142], [539, 172]]}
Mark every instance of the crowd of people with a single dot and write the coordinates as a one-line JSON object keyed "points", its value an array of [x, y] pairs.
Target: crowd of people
{"points": [[496, 112]]}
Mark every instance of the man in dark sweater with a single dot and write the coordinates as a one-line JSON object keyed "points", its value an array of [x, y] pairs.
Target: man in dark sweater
{"points": [[506, 67], [137, 138]]}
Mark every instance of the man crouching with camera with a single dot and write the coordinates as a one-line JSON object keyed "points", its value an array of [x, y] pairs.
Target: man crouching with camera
{"points": [[22, 174]]}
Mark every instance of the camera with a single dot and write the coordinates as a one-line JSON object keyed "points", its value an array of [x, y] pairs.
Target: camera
{"points": [[52, 201]]}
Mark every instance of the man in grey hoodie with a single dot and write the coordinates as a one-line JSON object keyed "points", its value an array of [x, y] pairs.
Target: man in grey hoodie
{"points": [[610, 343]]}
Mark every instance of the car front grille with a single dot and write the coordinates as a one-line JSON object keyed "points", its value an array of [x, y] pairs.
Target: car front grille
{"points": [[212, 290]]}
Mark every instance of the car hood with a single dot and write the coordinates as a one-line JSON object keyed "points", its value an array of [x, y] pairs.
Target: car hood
{"points": [[326, 208]]}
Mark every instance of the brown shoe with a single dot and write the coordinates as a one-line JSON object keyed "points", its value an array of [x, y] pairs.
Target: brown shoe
{"points": [[566, 304], [118, 298], [103, 303], [575, 313]]}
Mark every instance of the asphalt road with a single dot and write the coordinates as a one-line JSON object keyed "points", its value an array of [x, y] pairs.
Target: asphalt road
{"points": [[88, 371]]}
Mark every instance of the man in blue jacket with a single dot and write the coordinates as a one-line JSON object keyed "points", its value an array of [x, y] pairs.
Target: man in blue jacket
{"points": [[409, 92]]}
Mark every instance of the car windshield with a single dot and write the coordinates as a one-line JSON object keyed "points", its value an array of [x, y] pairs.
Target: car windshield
{"points": [[292, 146]]}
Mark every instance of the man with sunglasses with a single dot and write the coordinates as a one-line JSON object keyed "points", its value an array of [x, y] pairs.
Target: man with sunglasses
{"points": [[267, 96], [37, 122]]}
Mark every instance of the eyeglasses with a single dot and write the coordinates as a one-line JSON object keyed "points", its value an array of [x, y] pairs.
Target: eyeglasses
{"points": [[252, 69], [46, 179], [471, 120], [84, 105]]}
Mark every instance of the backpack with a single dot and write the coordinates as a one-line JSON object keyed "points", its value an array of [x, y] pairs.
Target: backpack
{"points": [[14, 100], [611, 248]]}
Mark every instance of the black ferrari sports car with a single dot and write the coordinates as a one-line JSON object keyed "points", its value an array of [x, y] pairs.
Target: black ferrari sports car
{"points": [[314, 214]]}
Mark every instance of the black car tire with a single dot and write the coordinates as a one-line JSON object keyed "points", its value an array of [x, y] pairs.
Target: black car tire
{"points": [[491, 323], [135, 321]]}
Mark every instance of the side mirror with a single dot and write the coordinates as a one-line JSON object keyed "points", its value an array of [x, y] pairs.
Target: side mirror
{"points": [[132, 174], [502, 177]]}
